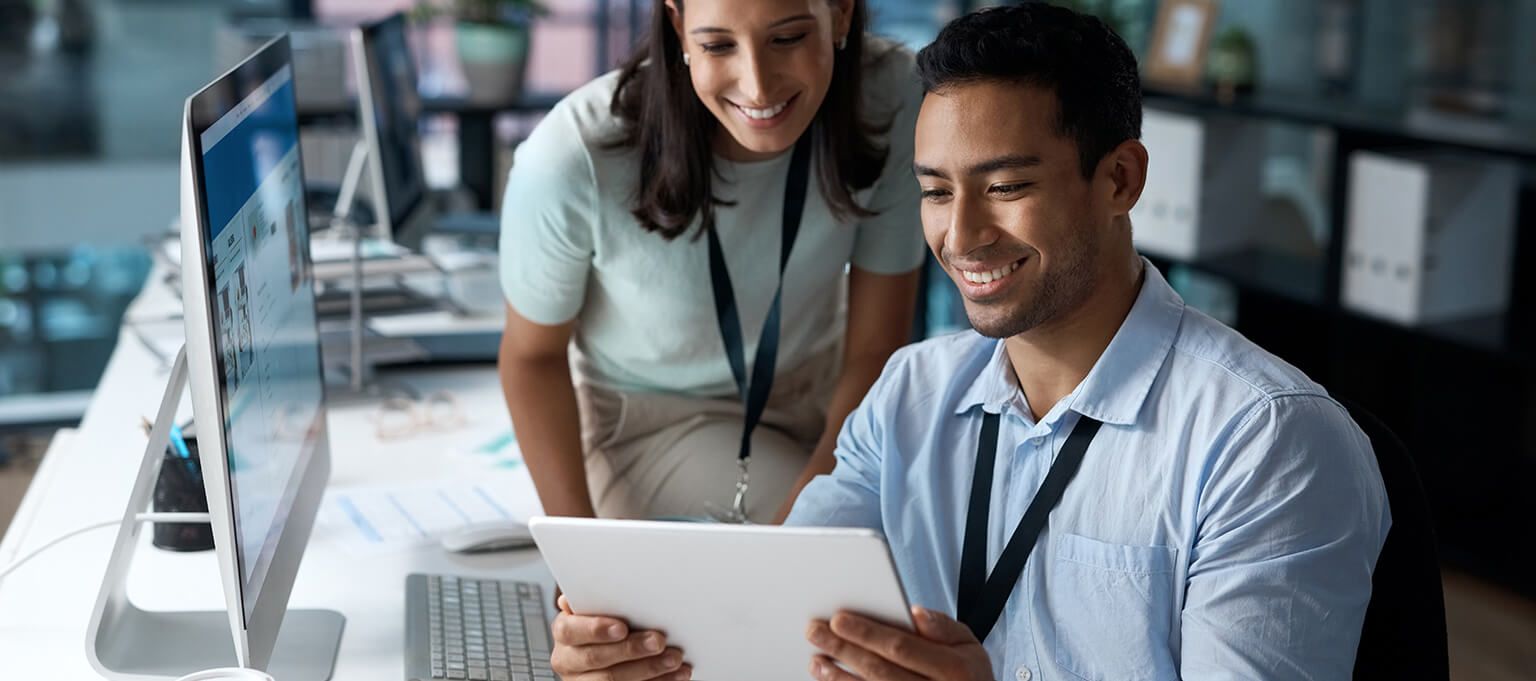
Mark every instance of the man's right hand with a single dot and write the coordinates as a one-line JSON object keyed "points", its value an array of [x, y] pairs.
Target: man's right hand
{"points": [[604, 649]]}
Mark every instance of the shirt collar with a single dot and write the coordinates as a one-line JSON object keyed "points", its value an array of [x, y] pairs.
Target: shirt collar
{"points": [[1119, 382]]}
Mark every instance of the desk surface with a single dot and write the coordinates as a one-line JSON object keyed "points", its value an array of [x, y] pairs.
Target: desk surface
{"points": [[85, 478]]}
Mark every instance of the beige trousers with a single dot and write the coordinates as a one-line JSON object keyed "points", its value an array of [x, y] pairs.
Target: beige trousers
{"points": [[654, 455]]}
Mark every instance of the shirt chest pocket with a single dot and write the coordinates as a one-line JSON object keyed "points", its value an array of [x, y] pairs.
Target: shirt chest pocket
{"points": [[1113, 607]]}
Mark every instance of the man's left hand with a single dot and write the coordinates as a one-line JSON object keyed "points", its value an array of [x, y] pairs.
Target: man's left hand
{"points": [[941, 650]]}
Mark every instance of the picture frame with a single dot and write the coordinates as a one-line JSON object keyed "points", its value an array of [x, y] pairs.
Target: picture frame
{"points": [[1181, 40]]}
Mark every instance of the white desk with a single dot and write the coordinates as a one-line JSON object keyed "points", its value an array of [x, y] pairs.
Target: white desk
{"points": [[86, 475]]}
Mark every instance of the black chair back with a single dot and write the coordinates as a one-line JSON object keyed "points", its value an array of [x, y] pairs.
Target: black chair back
{"points": [[1404, 634]]}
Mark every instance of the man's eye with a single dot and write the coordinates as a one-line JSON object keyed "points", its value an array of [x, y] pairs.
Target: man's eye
{"points": [[935, 194], [717, 48], [789, 40], [1010, 188]]}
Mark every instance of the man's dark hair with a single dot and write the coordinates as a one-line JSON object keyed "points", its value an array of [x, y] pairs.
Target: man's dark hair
{"points": [[1076, 56]]}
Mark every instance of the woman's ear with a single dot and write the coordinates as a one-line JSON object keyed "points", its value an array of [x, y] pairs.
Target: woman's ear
{"points": [[676, 18], [843, 19]]}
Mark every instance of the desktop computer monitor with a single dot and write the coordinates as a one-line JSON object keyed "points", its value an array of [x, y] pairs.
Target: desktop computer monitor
{"points": [[253, 350], [389, 110]]}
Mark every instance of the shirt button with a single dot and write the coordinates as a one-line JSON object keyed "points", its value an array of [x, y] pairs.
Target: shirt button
{"points": [[1023, 674]]}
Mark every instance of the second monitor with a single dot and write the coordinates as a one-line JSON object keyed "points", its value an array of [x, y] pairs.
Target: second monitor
{"points": [[389, 110]]}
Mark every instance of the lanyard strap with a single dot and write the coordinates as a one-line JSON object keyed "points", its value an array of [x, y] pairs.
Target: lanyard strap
{"points": [[754, 394], [982, 597]]}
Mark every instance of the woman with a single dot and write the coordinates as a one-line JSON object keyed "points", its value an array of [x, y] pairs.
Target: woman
{"points": [[645, 218]]}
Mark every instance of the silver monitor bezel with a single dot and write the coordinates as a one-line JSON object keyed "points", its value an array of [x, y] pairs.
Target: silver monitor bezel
{"points": [[255, 635]]}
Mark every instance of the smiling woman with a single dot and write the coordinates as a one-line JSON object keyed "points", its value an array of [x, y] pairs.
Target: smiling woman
{"points": [[744, 80], [711, 373]]}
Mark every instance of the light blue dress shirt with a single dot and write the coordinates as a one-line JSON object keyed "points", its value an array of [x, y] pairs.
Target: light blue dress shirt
{"points": [[1224, 523]]}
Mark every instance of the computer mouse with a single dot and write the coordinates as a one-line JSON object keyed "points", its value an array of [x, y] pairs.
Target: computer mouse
{"points": [[496, 535]]}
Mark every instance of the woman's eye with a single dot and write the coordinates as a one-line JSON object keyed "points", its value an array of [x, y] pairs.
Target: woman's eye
{"points": [[717, 48], [789, 39]]}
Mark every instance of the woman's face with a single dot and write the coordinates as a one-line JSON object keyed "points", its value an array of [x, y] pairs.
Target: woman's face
{"points": [[762, 67]]}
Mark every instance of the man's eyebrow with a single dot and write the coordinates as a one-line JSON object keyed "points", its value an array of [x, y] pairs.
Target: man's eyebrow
{"points": [[1008, 162], [921, 170], [991, 165]]}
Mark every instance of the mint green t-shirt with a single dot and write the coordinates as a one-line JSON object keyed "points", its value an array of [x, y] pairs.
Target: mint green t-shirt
{"points": [[571, 250]]}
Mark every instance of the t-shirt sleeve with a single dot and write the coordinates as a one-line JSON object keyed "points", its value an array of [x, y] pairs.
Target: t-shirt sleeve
{"points": [[891, 242], [548, 216]]}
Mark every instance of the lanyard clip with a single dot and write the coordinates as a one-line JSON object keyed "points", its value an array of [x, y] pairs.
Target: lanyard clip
{"points": [[739, 506]]}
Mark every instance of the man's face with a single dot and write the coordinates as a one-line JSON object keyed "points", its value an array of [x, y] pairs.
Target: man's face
{"points": [[1005, 206]]}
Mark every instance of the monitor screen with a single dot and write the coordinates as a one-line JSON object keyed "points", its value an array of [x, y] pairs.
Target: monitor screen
{"points": [[396, 109], [260, 286]]}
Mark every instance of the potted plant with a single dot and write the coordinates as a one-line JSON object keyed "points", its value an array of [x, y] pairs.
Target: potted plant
{"points": [[492, 38], [1233, 64]]}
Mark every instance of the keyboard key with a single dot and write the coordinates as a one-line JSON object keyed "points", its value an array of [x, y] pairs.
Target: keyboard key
{"points": [[538, 635], [501, 675]]}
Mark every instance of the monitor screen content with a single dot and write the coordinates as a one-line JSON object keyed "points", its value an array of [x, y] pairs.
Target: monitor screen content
{"points": [[397, 110], [270, 386]]}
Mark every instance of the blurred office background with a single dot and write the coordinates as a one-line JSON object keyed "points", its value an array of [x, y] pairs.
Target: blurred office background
{"points": [[1295, 130]]}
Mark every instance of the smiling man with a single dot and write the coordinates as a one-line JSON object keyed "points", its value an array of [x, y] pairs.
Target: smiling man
{"points": [[1097, 483]]}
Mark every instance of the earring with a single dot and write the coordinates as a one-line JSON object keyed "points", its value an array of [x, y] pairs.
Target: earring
{"points": [[842, 42], [686, 60]]}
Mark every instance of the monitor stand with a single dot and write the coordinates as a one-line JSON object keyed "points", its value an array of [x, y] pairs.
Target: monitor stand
{"points": [[129, 644]]}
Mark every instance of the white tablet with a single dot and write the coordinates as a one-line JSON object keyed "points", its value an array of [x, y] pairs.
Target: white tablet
{"points": [[737, 599]]}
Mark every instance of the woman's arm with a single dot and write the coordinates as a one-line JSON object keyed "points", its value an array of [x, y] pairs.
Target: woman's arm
{"points": [[880, 308], [536, 377]]}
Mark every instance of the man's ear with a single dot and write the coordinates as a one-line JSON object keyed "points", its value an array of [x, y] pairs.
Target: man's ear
{"points": [[1125, 169]]}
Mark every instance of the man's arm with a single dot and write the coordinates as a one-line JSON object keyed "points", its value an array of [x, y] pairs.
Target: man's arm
{"points": [[1292, 519], [850, 495], [880, 309]]}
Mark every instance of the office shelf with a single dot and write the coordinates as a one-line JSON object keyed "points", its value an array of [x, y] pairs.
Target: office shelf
{"points": [[1293, 277], [1366, 120], [1299, 279], [1493, 335]]}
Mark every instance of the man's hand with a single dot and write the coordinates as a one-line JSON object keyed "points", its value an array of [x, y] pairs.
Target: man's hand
{"points": [[941, 650], [604, 649]]}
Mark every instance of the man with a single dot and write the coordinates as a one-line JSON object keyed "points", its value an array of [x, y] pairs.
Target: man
{"points": [[1225, 514]]}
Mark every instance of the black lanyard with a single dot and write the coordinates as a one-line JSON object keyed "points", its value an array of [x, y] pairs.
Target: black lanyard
{"points": [[982, 597], [754, 395]]}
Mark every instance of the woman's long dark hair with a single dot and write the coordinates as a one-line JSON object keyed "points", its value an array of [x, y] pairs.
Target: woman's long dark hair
{"points": [[673, 131]]}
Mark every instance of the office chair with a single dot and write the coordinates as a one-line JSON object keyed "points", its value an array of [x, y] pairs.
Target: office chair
{"points": [[1404, 633]]}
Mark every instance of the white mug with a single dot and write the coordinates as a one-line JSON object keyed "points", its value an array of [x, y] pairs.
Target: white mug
{"points": [[228, 674]]}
